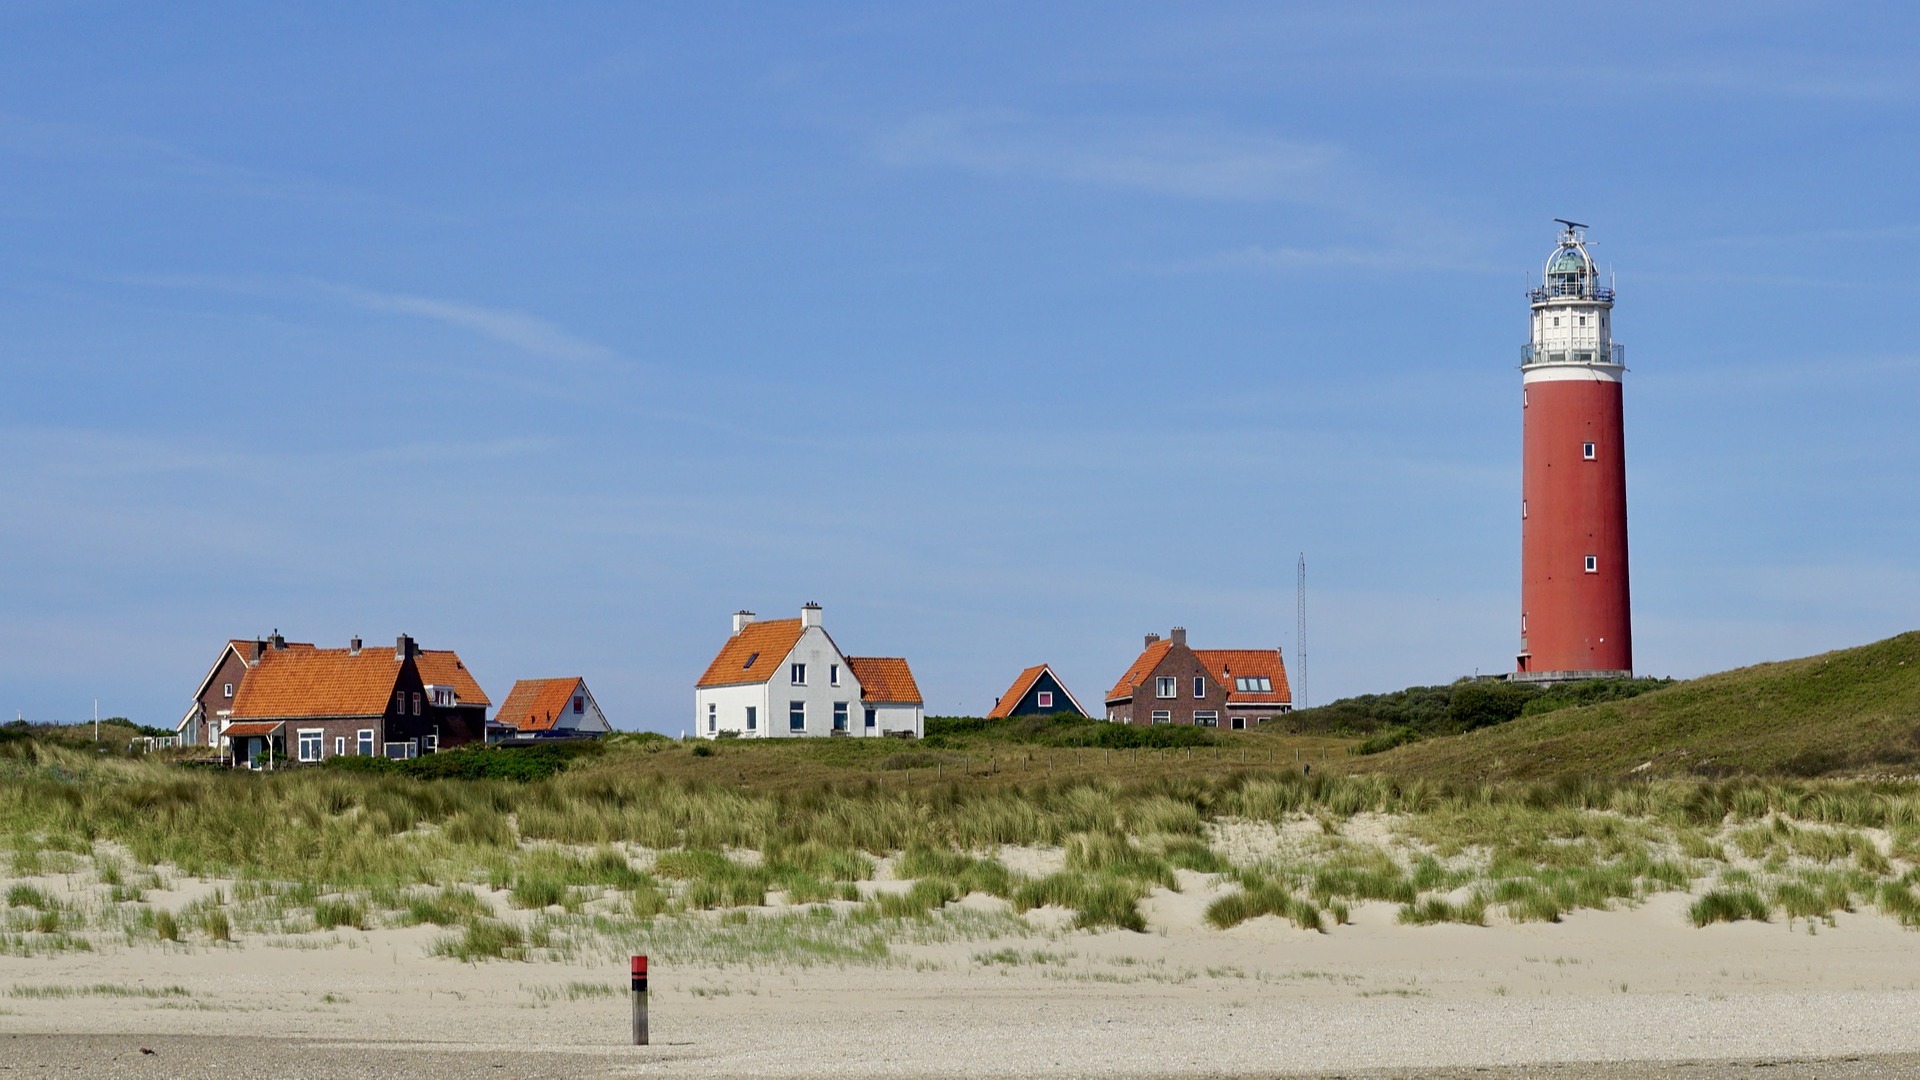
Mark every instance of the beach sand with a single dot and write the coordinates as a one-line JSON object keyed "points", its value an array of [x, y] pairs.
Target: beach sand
{"points": [[1627, 993]]}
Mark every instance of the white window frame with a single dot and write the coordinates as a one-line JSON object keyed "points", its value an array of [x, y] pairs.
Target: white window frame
{"points": [[842, 716], [833, 674], [1044, 699], [1166, 687], [713, 718], [228, 689], [319, 737], [1589, 452], [339, 746], [753, 718], [1162, 716], [1207, 718], [1236, 723], [416, 703], [1199, 686], [872, 716], [363, 743], [1593, 564], [797, 673], [432, 743], [796, 710]]}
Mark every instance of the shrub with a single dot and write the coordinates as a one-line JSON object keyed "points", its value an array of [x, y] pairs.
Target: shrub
{"points": [[483, 939], [1728, 905]]}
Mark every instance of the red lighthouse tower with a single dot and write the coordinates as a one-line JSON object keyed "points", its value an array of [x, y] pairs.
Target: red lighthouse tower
{"points": [[1575, 615]]}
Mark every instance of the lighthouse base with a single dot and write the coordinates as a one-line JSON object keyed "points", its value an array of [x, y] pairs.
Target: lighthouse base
{"points": [[1552, 677]]}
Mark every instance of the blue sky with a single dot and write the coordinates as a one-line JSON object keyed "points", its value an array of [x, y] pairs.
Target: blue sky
{"points": [[556, 333]]}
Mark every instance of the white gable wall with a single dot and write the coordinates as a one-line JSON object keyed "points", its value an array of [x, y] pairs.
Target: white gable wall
{"points": [[591, 720]]}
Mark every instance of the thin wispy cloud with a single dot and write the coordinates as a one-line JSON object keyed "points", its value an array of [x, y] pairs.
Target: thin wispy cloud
{"points": [[506, 325], [1187, 159]]}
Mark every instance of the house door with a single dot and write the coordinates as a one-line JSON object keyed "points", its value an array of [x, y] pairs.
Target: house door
{"points": [[253, 752]]}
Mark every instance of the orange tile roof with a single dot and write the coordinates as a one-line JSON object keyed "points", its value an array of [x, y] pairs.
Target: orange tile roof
{"points": [[1015, 693], [317, 682], [442, 667], [885, 679], [1229, 664], [1148, 659], [257, 727], [753, 654], [535, 704]]}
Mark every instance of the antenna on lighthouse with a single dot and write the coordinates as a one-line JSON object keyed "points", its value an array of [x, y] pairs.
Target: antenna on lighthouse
{"points": [[1571, 224], [1300, 633]]}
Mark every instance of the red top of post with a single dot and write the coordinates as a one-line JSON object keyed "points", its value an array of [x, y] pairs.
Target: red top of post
{"points": [[639, 966]]}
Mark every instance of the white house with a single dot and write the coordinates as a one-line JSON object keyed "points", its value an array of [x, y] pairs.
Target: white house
{"points": [[551, 707], [786, 677]]}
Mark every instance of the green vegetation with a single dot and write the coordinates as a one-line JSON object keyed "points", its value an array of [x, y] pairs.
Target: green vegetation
{"points": [[1060, 729], [773, 852], [1851, 711]]}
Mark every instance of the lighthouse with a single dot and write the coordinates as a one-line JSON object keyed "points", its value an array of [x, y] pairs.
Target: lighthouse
{"points": [[1575, 615]]}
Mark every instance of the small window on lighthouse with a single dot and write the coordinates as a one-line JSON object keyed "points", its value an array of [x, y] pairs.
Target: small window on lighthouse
{"points": [[1556, 320], [1583, 320], [1586, 450], [1593, 564]]}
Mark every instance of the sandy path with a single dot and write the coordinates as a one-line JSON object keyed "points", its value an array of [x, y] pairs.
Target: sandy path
{"points": [[1262, 999]]}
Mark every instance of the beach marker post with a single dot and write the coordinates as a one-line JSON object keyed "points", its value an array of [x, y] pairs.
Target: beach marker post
{"points": [[639, 1001]]}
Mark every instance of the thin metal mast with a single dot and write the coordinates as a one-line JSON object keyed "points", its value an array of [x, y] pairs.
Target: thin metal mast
{"points": [[1300, 634]]}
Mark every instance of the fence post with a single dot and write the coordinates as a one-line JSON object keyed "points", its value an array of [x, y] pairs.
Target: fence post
{"points": [[639, 1001]]}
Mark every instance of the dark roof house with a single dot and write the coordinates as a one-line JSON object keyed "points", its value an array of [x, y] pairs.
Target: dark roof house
{"points": [[1036, 692]]}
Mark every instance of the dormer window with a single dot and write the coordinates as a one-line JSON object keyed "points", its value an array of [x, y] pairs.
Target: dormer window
{"points": [[1254, 684]]}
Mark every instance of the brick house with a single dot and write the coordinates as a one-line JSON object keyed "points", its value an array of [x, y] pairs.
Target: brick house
{"points": [[1170, 683], [213, 702], [306, 704], [1036, 692]]}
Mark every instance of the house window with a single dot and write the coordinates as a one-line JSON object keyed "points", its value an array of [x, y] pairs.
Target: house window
{"points": [[1207, 719], [753, 718], [416, 703], [311, 744], [713, 718], [751, 657], [432, 743], [1044, 699], [339, 746], [873, 716], [1593, 564], [799, 673], [1254, 684], [839, 716], [1586, 451], [796, 716], [1237, 723], [579, 705], [228, 690], [833, 674], [1166, 686], [400, 702], [365, 740], [1199, 686], [1162, 716]]}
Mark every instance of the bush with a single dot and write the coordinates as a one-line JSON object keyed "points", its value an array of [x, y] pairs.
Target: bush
{"points": [[1484, 703], [1728, 905]]}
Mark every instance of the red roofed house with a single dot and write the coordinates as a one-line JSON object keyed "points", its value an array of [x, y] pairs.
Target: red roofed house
{"points": [[1170, 683], [1037, 692], [213, 702], [787, 677], [306, 704], [549, 708]]}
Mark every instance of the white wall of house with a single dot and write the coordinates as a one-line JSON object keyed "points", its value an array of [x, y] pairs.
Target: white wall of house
{"points": [[726, 708], [589, 719], [894, 719]]}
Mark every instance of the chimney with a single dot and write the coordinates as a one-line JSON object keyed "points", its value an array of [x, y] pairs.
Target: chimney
{"points": [[403, 647], [740, 620], [810, 615], [1151, 638], [254, 651], [1178, 634], [276, 640], [353, 646]]}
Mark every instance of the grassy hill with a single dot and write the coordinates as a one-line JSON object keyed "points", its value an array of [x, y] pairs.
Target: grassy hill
{"points": [[1854, 711]]}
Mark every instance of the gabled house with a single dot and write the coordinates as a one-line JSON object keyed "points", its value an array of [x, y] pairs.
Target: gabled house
{"points": [[1170, 683], [1037, 692], [787, 678], [213, 702], [548, 709], [309, 704]]}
